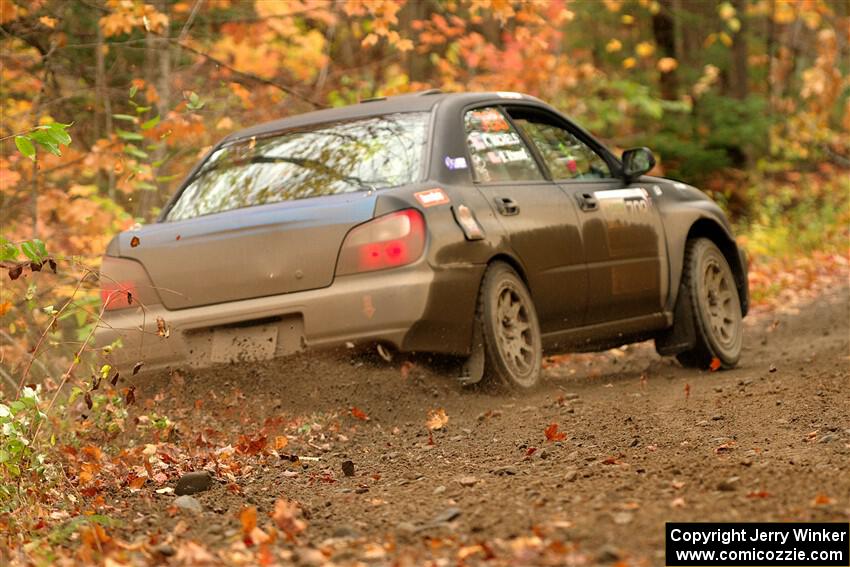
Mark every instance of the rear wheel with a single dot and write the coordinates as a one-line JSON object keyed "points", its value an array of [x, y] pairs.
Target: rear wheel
{"points": [[508, 329], [715, 306]]}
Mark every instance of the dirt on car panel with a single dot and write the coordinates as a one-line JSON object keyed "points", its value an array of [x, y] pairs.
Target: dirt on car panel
{"points": [[644, 441]]}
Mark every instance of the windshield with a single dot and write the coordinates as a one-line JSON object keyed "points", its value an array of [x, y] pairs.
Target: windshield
{"points": [[371, 153]]}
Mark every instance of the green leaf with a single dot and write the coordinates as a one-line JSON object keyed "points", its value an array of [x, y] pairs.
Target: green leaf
{"points": [[195, 102], [146, 186], [24, 145], [133, 90], [150, 123], [58, 133], [8, 251], [135, 152], [45, 140], [125, 135], [142, 109], [125, 117], [40, 247], [34, 250]]}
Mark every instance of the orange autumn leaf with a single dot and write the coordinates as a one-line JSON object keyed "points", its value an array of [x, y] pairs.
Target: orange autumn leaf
{"points": [[822, 500], [358, 413], [759, 494], [248, 518], [286, 517], [715, 364], [280, 442], [437, 419], [552, 433]]}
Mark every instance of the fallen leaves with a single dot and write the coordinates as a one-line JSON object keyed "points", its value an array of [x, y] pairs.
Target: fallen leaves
{"points": [[822, 500], [287, 516], [552, 433], [758, 494], [248, 519], [134, 242], [715, 364], [437, 419], [358, 413], [678, 502]]}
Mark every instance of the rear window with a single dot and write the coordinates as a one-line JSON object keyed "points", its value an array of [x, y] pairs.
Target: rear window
{"points": [[371, 153]]}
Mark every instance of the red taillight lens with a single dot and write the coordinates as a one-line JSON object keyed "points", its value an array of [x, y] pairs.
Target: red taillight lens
{"points": [[121, 281], [118, 295], [389, 241]]}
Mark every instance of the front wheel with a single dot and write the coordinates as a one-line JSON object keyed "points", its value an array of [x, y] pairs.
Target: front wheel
{"points": [[508, 329], [715, 306]]}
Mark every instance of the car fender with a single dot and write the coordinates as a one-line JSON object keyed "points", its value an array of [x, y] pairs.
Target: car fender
{"points": [[697, 216]]}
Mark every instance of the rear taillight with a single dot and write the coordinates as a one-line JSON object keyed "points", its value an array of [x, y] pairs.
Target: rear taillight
{"points": [[393, 240], [118, 295], [120, 279]]}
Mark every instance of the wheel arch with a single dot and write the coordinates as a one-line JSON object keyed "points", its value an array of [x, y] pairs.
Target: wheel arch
{"points": [[712, 230], [513, 263]]}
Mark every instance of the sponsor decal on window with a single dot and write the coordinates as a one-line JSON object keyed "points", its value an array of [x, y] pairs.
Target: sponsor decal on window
{"points": [[455, 163]]}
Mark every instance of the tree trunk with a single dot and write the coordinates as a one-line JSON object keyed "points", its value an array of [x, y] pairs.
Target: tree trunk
{"points": [[740, 88], [417, 63], [663, 28], [105, 106]]}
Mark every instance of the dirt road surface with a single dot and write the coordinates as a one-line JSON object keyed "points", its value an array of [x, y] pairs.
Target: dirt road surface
{"points": [[639, 441]]}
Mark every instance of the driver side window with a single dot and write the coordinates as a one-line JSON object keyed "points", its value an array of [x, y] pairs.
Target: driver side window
{"points": [[567, 157]]}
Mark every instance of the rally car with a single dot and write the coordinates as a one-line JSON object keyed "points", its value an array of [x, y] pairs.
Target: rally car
{"points": [[483, 225]]}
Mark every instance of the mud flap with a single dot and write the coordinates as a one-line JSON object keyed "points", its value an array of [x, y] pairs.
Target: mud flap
{"points": [[473, 367], [682, 335]]}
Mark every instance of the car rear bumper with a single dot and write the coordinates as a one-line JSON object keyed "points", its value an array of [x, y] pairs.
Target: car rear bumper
{"points": [[363, 308]]}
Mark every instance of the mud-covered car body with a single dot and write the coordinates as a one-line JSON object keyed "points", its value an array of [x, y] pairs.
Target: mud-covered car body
{"points": [[601, 253]]}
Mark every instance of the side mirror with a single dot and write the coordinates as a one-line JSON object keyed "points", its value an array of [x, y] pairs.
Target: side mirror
{"points": [[636, 162]]}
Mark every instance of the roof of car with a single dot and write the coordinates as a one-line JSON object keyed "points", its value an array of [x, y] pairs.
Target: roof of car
{"points": [[423, 101]]}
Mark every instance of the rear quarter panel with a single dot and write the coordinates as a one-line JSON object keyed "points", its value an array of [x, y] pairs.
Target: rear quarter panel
{"points": [[458, 265]]}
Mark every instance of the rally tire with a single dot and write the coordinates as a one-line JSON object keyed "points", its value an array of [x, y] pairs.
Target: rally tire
{"points": [[509, 329], [715, 307]]}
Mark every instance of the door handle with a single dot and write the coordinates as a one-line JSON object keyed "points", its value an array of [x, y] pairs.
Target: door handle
{"points": [[587, 202], [507, 206]]}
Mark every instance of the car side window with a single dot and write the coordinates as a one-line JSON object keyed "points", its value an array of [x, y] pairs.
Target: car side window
{"points": [[565, 155], [496, 150]]}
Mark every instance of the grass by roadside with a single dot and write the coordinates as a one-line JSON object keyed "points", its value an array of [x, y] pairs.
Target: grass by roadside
{"points": [[796, 233]]}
